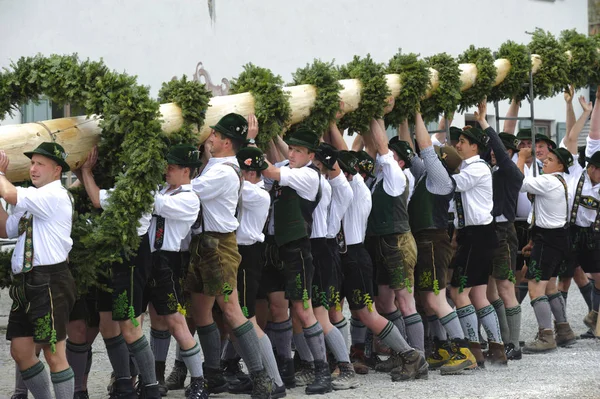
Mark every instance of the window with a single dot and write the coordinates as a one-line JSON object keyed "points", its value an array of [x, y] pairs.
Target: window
{"points": [[541, 126]]}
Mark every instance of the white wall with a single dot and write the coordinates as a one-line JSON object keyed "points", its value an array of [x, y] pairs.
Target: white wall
{"points": [[158, 39]]}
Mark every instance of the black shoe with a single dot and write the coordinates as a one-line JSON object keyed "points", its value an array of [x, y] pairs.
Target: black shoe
{"points": [[513, 353], [81, 395], [322, 382], [123, 389], [19, 396], [215, 380], [278, 392], [176, 380], [287, 371], [240, 387], [233, 370], [149, 392], [197, 389], [159, 368], [111, 382], [589, 334], [262, 385]]}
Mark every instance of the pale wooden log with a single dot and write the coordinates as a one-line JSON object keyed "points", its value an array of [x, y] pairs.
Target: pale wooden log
{"points": [[468, 76]]}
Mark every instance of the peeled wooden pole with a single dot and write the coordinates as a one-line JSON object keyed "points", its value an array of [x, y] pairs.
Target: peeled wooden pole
{"points": [[78, 135]]}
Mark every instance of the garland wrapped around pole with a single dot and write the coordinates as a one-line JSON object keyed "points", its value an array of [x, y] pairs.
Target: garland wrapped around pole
{"points": [[446, 98], [552, 78], [584, 58], [486, 76], [520, 65]]}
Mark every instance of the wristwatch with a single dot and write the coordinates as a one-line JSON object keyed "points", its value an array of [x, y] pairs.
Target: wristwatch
{"points": [[251, 141]]}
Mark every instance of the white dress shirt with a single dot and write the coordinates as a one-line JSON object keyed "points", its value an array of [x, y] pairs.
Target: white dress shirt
{"points": [[411, 182], [255, 204], [357, 215], [474, 182], [394, 180], [319, 226], [218, 188], [523, 203], [52, 212], [341, 196], [550, 206], [143, 222], [180, 209], [586, 215]]}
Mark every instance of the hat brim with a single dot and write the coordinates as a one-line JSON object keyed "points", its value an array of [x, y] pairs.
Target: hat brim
{"points": [[561, 159], [345, 168], [474, 139], [250, 168], [549, 142], [592, 162], [179, 162], [65, 166], [227, 133], [299, 143]]}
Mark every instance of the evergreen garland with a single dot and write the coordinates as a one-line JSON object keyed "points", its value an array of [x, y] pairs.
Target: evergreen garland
{"points": [[447, 96], [131, 148], [373, 94], [271, 105], [520, 65], [583, 66], [193, 99], [415, 80], [486, 75], [324, 76], [552, 77]]}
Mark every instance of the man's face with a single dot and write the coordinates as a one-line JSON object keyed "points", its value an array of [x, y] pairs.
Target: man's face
{"points": [[541, 150], [43, 170], [216, 143], [465, 149], [525, 144], [594, 173], [299, 156], [552, 164], [176, 175]]}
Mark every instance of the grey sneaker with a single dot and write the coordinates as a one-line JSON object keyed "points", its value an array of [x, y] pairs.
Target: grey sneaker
{"points": [[347, 378]]}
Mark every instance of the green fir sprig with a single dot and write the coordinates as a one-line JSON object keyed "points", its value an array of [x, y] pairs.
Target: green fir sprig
{"points": [[520, 65], [447, 96], [486, 75]]}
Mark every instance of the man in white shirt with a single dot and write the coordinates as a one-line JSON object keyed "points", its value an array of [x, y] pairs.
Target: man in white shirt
{"points": [[43, 289], [549, 218], [215, 258]]}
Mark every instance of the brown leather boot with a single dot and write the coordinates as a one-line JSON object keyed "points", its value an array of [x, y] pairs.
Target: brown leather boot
{"points": [[564, 335], [543, 342], [591, 319], [478, 353], [497, 354], [357, 357]]}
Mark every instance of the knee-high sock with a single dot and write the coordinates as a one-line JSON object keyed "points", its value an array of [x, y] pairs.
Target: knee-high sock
{"points": [[542, 311], [498, 305], [557, 305], [468, 322], [77, 356], [489, 320]]}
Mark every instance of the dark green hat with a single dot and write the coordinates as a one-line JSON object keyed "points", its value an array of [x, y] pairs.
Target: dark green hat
{"points": [[509, 141], [347, 162], [303, 137], [327, 155], [455, 133], [251, 158], [185, 155], [594, 159], [564, 157], [524, 134], [233, 126], [476, 135], [404, 151], [54, 151], [366, 164], [543, 137], [449, 158]]}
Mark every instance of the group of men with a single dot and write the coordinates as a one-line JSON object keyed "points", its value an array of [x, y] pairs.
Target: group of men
{"points": [[258, 252]]}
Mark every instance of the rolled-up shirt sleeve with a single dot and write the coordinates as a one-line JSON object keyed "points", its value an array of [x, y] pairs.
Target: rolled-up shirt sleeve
{"points": [[303, 180], [12, 225], [591, 147], [215, 182], [438, 181], [182, 206], [394, 180], [37, 202], [539, 185]]}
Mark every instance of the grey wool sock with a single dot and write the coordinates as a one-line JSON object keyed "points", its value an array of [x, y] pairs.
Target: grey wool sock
{"points": [[316, 341], [358, 331], [396, 318], [118, 354], [564, 294], [414, 331], [145, 360], [542, 311], [210, 340], [596, 299], [558, 307], [498, 305], [513, 318], [37, 381], [64, 383], [268, 360], [452, 326], [468, 322], [88, 364], [77, 356], [302, 348], [229, 351], [20, 387], [586, 293], [159, 343], [392, 338], [336, 344], [178, 352], [281, 337], [489, 320], [342, 325], [248, 346], [436, 329], [193, 360]]}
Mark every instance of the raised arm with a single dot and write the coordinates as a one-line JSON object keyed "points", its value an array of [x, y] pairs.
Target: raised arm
{"points": [[377, 134], [595, 123], [573, 133], [513, 112], [404, 134], [441, 135], [7, 190], [336, 137], [358, 144], [91, 188], [569, 92]]}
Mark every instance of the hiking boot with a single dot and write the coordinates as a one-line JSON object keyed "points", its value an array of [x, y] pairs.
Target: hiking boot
{"points": [[232, 370], [543, 342], [475, 348], [513, 353], [278, 392], [159, 368], [380, 348], [589, 334], [414, 366], [197, 389], [591, 319], [357, 357], [287, 371], [394, 361], [176, 380], [123, 389], [496, 354], [240, 387], [149, 391], [215, 380], [564, 335], [322, 382], [81, 395], [305, 374], [440, 354], [262, 385], [19, 396], [461, 358], [111, 382], [347, 378]]}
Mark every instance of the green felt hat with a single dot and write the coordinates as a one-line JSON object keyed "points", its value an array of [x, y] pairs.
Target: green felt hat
{"points": [[184, 155], [524, 134], [594, 159], [303, 137], [449, 157], [404, 151], [564, 157], [509, 141], [327, 155], [54, 151], [476, 135], [233, 126], [347, 162], [366, 164], [543, 137], [455, 133], [251, 158]]}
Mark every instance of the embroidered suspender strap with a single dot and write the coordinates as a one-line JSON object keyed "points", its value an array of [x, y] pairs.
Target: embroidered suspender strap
{"points": [[460, 210], [577, 198], [26, 226], [564, 183], [159, 234]]}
